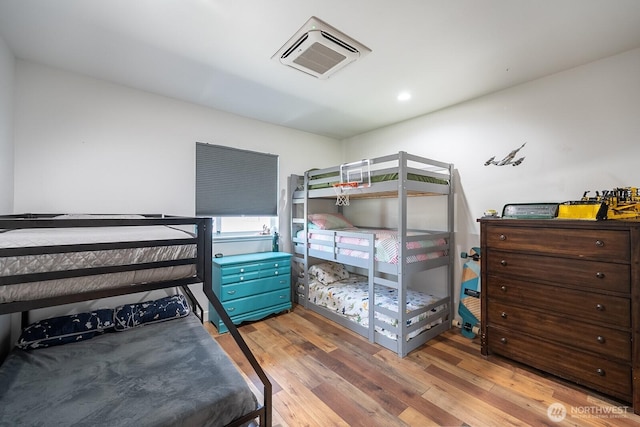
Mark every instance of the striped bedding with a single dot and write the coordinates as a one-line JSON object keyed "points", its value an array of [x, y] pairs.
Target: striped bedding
{"points": [[387, 245]]}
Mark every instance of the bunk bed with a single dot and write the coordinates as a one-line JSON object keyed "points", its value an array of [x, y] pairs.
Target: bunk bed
{"points": [[345, 270], [149, 363]]}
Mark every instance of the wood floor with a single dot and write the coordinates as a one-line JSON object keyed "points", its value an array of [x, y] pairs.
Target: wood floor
{"points": [[325, 375]]}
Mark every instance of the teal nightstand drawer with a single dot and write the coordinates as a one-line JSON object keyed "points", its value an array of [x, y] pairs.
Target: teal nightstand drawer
{"points": [[256, 302], [240, 277], [282, 264], [228, 270], [253, 287], [275, 272]]}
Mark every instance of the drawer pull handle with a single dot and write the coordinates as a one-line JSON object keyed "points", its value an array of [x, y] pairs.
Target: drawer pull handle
{"points": [[231, 309], [276, 273], [599, 243], [503, 340], [503, 315], [599, 307], [241, 278], [231, 292], [600, 275], [242, 270], [503, 288], [601, 339], [503, 237], [282, 282], [276, 265], [503, 262], [600, 372], [282, 296]]}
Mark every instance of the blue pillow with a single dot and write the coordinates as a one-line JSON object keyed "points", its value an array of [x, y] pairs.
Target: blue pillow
{"points": [[131, 315], [65, 329]]}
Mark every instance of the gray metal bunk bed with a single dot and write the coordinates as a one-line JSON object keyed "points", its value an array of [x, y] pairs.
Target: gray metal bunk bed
{"points": [[168, 372], [383, 267]]}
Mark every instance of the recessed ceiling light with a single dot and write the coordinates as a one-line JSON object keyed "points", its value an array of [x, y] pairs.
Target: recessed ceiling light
{"points": [[404, 96]]}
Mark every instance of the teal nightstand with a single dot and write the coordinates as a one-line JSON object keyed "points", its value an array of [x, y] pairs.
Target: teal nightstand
{"points": [[251, 286]]}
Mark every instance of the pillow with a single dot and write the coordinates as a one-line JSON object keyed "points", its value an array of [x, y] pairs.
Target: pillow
{"points": [[329, 221], [131, 315], [65, 329], [328, 272]]}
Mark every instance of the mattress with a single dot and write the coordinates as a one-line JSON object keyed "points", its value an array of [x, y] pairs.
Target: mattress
{"points": [[27, 264], [377, 178], [350, 298], [387, 245], [164, 374]]}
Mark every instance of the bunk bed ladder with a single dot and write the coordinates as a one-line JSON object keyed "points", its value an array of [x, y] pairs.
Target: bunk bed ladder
{"points": [[301, 260], [206, 274], [402, 249], [372, 295], [264, 412], [451, 242]]}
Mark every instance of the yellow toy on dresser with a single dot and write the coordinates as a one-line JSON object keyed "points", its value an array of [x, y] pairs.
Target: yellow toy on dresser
{"points": [[619, 203]]}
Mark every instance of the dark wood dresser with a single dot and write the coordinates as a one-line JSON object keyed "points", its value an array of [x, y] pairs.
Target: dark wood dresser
{"points": [[563, 296]]}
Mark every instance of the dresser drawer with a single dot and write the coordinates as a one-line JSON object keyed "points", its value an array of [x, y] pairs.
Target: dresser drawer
{"points": [[254, 287], [583, 368], [586, 336], [240, 277], [593, 307], [229, 270], [606, 245], [275, 268], [275, 271], [579, 273], [281, 264], [256, 302]]}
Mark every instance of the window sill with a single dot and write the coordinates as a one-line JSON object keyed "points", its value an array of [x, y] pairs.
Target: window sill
{"points": [[240, 237]]}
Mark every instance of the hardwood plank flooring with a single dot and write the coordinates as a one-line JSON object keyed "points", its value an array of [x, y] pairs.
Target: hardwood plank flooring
{"points": [[326, 375]]}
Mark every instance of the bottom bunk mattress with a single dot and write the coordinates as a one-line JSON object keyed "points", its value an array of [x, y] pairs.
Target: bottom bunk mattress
{"points": [[171, 373], [349, 298]]}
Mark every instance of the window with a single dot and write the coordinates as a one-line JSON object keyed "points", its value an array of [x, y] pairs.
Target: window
{"points": [[245, 224], [239, 188]]}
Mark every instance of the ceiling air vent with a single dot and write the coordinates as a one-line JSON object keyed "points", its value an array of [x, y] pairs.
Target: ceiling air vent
{"points": [[319, 49]]}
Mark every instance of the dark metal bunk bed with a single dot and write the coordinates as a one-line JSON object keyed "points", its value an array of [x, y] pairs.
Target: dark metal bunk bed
{"points": [[383, 278], [63, 268]]}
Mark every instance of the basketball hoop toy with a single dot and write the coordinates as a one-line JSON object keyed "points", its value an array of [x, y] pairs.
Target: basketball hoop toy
{"points": [[342, 192], [352, 175]]}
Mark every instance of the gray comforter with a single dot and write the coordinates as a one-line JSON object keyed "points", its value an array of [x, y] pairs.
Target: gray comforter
{"points": [[166, 374]]}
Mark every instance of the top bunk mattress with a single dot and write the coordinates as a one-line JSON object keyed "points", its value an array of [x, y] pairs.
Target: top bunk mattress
{"points": [[164, 374], [378, 178], [50, 255]]}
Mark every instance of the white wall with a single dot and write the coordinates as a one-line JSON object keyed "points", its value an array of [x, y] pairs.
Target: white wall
{"points": [[7, 66], [581, 127], [86, 145]]}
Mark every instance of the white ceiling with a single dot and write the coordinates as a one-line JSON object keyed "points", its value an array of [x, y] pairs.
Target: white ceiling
{"points": [[218, 53]]}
